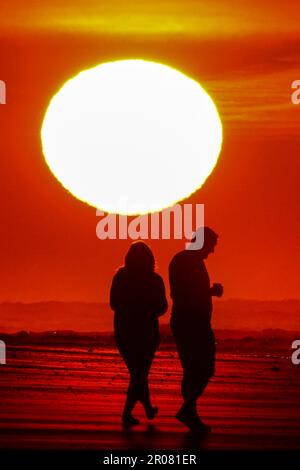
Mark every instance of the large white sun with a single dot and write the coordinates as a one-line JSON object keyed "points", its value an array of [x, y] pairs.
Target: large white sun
{"points": [[131, 136]]}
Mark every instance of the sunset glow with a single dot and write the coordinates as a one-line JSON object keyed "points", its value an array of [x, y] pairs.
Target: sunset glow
{"points": [[131, 136]]}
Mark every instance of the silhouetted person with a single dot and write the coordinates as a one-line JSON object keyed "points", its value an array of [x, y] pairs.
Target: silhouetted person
{"points": [[191, 324], [138, 298]]}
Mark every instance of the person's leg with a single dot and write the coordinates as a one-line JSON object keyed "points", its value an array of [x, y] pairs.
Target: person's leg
{"points": [[132, 395], [131, 400], [193, 384], [197, 368], [144, 392], [188, 414], [188, 390], [132, 392], [187, 360], [198, 363]]}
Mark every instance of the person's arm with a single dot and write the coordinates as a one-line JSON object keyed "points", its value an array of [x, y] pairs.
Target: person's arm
{"points": [[114, 297], [160, 300]]}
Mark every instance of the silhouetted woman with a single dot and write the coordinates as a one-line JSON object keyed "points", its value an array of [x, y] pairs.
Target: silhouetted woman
{"points": [[138, 298]]}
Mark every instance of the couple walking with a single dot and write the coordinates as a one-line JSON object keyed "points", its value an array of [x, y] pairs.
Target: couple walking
{"points": [[138, 298]]}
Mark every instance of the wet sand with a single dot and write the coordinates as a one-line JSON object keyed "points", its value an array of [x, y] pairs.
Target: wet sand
{"points": [[71, 398]]}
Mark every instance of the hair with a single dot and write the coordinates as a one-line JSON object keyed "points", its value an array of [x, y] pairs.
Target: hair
{"points": [[209, 235], [140, 258]]}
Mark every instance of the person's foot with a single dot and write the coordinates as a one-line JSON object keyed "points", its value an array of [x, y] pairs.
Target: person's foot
{"points": [[201, 427], [129, 420], [190, 418], [152, 412]]}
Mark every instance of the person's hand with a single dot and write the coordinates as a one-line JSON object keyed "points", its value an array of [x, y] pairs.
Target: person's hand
{"points": [[217, 290]]}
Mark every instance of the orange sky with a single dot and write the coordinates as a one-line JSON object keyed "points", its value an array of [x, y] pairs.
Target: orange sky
{"points": [[246, 56]]}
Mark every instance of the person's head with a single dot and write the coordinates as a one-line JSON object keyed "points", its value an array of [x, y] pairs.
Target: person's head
{"points": [[139, 258], [209, 242]]}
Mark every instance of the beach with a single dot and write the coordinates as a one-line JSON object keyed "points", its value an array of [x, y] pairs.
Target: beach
{"points": [[71, 397]]}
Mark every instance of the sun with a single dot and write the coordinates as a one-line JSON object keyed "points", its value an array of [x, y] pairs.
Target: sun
{"points": [[131, 136]]}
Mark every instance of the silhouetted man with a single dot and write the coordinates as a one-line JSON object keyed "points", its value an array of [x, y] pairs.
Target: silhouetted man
{"points": [[191, 324]]}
